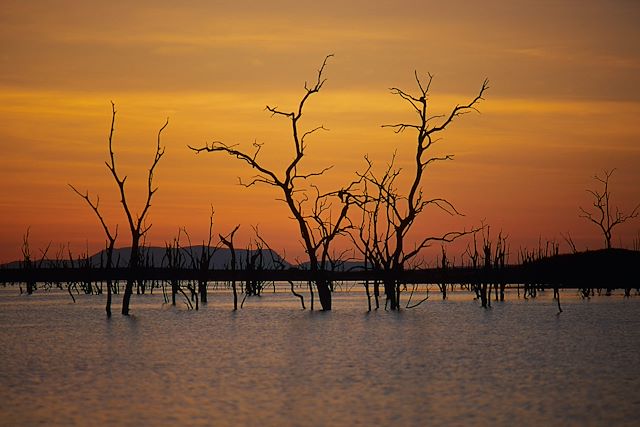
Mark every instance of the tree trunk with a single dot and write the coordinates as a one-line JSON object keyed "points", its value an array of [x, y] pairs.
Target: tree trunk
{"points": [[174, 291], [390, 293], [235, 295], [108, 307], [133, 267], [324, 294], [366, 288], [376, 293], [126, 298], [558, 300], [483, 295], [202, 287]]}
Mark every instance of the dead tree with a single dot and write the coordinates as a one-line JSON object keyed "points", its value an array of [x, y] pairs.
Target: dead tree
{"points": [[569, 240], [362, 243], [173, 260], [137, 224], [605, 216], [485, 297], [325, 228], [444, 265], [277, 263], [202, 262], [499, 262], [228, 242], [111, 240], [254, 262], [294, 192], [474, 257], [27, 262], [393, 213]]}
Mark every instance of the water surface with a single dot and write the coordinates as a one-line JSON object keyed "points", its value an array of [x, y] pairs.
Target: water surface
{"points": [[271, 363]]}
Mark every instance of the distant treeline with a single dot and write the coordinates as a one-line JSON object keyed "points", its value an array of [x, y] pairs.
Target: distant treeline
{"points": [[607, 268]]}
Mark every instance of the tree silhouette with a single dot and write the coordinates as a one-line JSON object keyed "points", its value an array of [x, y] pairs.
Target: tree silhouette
{"points": [[390, 214], [27, 262], [173, 259], [202, 262], [137, 225], [316, 226], [603, 214], [111, 240], [228, 242]]}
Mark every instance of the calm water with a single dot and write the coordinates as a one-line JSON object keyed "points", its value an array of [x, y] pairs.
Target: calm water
{"points": [[443, 363]]}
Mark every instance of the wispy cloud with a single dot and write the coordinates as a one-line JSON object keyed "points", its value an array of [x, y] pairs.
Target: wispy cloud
{"points": [[578, 57]]}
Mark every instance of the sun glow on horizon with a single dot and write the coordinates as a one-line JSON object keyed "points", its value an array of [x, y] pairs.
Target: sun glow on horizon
{"points": [[559, 109]]}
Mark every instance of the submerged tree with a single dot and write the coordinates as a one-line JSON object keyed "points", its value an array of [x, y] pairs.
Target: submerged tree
{"points": [[228, 242], [202, 261], [390, 214], [137, 225], [111, 240], [311, 211], [605, 216], [28, 262]]}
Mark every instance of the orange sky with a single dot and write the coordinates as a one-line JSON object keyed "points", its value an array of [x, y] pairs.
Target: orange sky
{"points": [[563, 104]]}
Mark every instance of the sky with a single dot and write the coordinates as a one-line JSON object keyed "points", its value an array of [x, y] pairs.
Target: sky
{"points": [[563, 105]]}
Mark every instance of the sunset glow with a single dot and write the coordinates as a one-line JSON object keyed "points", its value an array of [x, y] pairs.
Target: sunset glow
{"points": [[563, 104]]}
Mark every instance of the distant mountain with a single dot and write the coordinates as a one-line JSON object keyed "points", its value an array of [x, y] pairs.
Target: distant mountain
{"points": [[157, 257]]}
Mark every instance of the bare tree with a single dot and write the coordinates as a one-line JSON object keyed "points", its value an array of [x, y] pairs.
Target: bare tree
{"points": [[137, 224], [474, 262], [444, 265], [27, 262], [569, 240], [253, 263], [174, 259], [295, 194], [202, 262], [390, 213], [277, 263], [111, 239], [603, 214], [228, 242]]}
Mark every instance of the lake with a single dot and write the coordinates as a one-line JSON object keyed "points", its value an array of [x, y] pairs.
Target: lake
{"points": [[273, 364]]}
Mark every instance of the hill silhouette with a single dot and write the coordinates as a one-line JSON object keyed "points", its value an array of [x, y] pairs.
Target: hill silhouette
{"points": [[600, 269], [156, 256], [605, 267]]}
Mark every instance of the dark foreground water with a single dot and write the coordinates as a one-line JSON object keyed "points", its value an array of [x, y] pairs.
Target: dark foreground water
{"points": [[272, 364]]}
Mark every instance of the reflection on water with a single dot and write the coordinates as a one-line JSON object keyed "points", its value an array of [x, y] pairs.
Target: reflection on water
{"points": [[443, 363]]}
